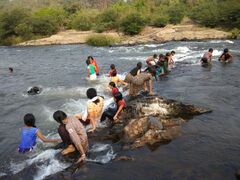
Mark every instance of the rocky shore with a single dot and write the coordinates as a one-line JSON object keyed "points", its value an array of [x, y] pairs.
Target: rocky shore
{"points": [[184, 31]]}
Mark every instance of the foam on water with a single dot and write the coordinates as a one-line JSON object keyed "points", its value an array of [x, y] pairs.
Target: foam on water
{"points": [[101, 153]]}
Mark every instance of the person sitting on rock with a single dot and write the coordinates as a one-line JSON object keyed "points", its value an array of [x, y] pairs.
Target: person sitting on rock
{"points": [[34, 90], [113, 113], [72, 133], [207, 57], [94, 63], [152, 60], [112, 69], [226, 56], [113, 88], [138, 80], [93, 111]]}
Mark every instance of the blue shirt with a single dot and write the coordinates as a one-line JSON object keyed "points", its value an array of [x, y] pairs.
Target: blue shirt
{"points": [[28, 138]]}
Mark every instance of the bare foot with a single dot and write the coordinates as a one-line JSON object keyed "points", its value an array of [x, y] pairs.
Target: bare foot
{"points": [[68, 150]]}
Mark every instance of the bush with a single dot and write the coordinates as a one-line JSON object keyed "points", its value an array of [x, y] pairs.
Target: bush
{"points": [[44, 25], [84, 21], [25, 30], [102, 40], [109, 19], [176, 14], [161, 21], [133, 24], [235, 33]]}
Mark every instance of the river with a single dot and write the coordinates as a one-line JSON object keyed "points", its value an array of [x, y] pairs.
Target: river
{"points": [[209, 147]]}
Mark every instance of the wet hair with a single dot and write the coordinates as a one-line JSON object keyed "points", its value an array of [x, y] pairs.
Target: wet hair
{"points": [[112, 84], [59, 116], [112, 66], [155, 56], [134, 71], [10, 69], [168, 54], [90, 57], [118, 96], [225, 50], [29, 120], [210, 50], [173, 52], [161, 56], [114, 73], [91, 93], [88, 61]]}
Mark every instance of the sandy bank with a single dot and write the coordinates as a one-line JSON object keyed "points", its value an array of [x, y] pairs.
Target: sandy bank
{"points": [[148, 35]]}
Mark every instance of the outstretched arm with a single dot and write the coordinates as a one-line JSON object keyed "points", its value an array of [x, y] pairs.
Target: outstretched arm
{"points": [[118, 112], [44, 139]]}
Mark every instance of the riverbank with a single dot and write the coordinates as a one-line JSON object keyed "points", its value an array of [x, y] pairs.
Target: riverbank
{"points": [[148, 35]]}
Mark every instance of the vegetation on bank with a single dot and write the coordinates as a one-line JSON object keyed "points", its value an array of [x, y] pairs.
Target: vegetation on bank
{"points": [[19, 22], [102, 40]]}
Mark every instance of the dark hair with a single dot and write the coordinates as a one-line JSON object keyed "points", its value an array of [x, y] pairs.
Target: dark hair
{"points": [[90, 57], [29, 120], [112, 84], [114, 73], [118, 96], [112, 66], [10, 69], [155, 56], [210, 50], [91, 93], [59, 116], [88, 61], [139, 65], [168, 54], [225, 50], [173, 52], [161, 56]]}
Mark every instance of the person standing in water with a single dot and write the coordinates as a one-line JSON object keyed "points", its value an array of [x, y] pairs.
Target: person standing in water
{"points": [[226, 56], [29, 134], [73, 134], [94, 63], [152, 60], [112, 69], [91, 71], [138, 80], [116, 79], [10, 69], [207, 57]]}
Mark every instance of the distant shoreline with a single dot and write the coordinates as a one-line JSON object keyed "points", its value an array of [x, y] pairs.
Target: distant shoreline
{"points": [[182, 32]]}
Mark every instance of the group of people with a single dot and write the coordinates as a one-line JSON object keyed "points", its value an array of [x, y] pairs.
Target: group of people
{"points": [[72, 129], [225, 57]]}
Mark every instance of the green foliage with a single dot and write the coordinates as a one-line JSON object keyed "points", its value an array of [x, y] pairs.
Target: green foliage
{"points": [[235, 33], [161, 21], [107, 20], [102, 40], [24, 30], [133, 24], [84, 20], [176, 14]]}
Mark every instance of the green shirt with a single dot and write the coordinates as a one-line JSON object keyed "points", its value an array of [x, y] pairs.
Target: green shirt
{"points": [[91, 69]]}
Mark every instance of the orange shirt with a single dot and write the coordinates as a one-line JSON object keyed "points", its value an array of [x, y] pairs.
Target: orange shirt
{"points": [[94, 62]]}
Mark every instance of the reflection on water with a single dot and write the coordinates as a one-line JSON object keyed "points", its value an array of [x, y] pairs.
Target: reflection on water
{"points": [[209, 145]]}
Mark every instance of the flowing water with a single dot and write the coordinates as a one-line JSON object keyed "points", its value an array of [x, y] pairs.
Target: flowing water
{"points": [[209, 147]]}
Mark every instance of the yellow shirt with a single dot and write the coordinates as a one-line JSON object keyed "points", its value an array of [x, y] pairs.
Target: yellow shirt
{"points": [[95, 110], [115, 79]]}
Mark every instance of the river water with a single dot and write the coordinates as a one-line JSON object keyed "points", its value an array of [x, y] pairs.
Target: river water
{"points": [[209, 147]]}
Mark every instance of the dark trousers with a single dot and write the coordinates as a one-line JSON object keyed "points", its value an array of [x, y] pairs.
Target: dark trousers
{"points": [[108, 113]]}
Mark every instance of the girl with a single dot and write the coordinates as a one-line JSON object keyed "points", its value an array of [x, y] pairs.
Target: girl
{"points": [[30, 133], [113, 113], [94, 63], [91, 71]]}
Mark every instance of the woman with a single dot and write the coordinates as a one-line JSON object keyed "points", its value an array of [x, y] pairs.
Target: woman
{"points": [[138, 81]]}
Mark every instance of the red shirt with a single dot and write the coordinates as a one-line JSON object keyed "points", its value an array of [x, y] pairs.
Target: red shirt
{"points": [[122, 102], [114, 90], [94, 62], [111, 71]]}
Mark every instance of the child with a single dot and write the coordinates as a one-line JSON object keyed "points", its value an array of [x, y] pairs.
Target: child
{"points": [[73, 128], [94, 63], [113, 114], [226, 56], [91, 71], [112, 69], [29, 134], [207, 57], [116, 79], [113, 87]]}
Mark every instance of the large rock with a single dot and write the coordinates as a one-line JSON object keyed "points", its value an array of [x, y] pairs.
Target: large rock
{"points": [[153, 119]]}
